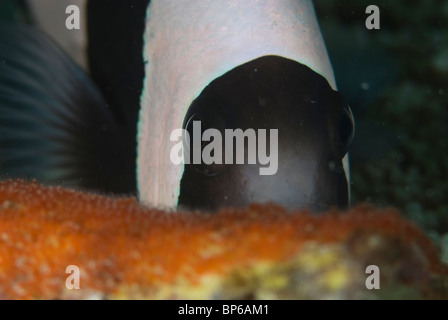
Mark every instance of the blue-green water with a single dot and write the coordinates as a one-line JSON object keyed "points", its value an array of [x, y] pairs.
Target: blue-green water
{"points": [[396, 80]]}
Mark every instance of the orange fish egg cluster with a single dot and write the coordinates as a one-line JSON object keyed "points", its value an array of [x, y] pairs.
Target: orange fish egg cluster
{"points": [[124, 250]]}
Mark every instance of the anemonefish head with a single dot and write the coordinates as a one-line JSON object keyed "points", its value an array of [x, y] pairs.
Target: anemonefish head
{"points": [[294, 133], [244, 65]]}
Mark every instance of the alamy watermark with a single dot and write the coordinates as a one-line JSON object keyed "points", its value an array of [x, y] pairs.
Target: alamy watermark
{"points": [[73, 280], [212, 153], [373, 20], [72, 22]]}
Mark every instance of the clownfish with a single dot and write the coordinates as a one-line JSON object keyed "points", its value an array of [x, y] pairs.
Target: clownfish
{"points": [[158, 66]]}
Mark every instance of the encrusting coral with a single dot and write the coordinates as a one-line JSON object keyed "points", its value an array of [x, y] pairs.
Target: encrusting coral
{"points": [[124, 250]]}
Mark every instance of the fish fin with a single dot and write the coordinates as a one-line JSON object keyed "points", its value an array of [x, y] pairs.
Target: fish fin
{"points": [[54, 124]]}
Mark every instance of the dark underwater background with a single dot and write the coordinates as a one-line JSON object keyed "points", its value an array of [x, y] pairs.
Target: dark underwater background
{"points": [[396, 81]]}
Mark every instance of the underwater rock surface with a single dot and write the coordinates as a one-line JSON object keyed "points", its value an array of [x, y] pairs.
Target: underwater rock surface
{"points": [[126, 251]]}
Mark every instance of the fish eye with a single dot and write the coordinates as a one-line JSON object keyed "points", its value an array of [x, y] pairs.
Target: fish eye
{"points": [[346, 129], [191, 126]]}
